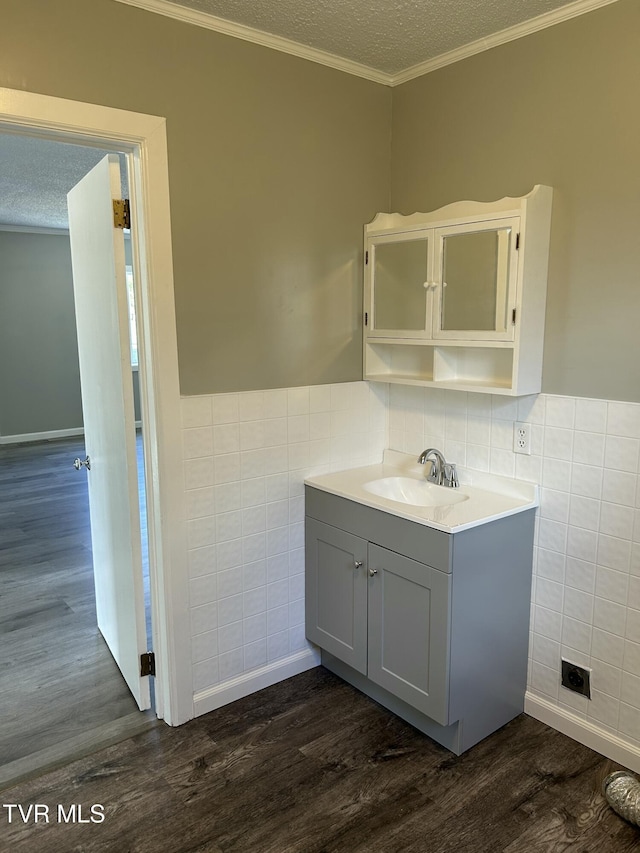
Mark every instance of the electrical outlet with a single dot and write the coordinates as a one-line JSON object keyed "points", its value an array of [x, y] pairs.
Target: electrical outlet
{"points": [[522, 438], [576, 678]]}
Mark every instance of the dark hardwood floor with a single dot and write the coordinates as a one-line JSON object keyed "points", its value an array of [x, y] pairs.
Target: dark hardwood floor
{"points": [[312, 766], [306, 766], [61, 693]]}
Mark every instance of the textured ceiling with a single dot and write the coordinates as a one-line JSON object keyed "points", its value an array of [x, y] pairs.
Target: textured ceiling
{"points": [[386, 35], [35, 177]]}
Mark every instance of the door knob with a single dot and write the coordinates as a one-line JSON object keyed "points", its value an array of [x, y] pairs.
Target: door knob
{"points": [[80, 463], [372, 572], [357, 564]]}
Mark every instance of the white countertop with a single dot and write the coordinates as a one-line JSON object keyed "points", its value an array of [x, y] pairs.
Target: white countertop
{"points": [[489, 496]]}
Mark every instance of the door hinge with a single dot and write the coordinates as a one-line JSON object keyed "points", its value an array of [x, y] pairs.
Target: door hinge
{"points": [[513, 317], [121, 213], [366, 318], [147, 663], [517, 241], [366, 258]]}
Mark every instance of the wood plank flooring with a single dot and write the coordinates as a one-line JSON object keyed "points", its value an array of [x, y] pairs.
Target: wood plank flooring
{"points": [[58, 681], [312, 766]]}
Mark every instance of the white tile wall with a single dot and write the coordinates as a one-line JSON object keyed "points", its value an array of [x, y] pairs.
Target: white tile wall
{"points": [[586, 584], [245, 458]]}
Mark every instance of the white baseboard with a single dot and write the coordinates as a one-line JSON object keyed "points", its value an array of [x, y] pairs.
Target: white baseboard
{"points": [[250, 682], [50, 435], [584, 731]]}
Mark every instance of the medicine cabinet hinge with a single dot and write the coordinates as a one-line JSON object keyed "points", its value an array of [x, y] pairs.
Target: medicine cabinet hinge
{"points": [[513, 317], [121, 213], [147, 663], [366, 258], [517, 241]]}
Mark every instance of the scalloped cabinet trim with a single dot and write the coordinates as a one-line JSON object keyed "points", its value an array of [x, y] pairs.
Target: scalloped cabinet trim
{"points": [[455, 298]]}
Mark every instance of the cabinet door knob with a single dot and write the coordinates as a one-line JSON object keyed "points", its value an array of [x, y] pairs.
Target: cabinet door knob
{"points": [[357, 564], [373, 572]]}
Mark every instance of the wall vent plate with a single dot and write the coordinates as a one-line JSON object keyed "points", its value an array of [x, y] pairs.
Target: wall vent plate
{"points": [[576, 678]]}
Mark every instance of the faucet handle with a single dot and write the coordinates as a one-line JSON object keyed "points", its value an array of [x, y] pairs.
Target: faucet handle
{"points": [[450, 476]]}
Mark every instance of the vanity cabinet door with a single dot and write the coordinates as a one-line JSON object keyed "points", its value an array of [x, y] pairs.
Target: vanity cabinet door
{"points": [[336, 593], [409, 617]]}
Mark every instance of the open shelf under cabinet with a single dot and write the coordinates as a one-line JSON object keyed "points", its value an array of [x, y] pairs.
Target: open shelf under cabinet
{"points": [[471, 368]]}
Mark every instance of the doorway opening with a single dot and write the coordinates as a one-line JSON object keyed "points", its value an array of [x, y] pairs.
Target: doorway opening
{"points": [[143, 140], [64, 694]]}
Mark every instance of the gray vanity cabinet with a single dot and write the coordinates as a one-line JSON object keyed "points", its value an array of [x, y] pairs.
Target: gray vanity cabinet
{"points": [[384, 615], [336, 592], [409, 631], [432, 625]]}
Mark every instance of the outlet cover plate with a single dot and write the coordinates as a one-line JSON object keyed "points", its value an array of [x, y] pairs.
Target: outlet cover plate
{"points": [[522, 438], [576, 678]]}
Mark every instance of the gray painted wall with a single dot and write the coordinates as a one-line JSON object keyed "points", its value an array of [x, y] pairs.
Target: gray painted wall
{"points": [[558, 107], [39, 374], [276, 163]]}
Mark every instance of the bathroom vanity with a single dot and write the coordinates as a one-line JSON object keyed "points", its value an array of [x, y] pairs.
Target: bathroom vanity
{"points": [[419, 595]]}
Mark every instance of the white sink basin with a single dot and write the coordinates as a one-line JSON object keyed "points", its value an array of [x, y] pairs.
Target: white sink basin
{"points": [[398, 486], [408, 490]]}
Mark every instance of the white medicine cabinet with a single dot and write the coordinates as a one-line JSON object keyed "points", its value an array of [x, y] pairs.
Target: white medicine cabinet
{"points": [[455, 298]]}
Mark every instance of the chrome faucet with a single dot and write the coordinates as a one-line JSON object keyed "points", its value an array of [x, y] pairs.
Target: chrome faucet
{"points": [[440, 471]]}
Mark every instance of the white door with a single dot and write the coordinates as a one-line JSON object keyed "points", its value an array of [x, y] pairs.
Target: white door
{"points": [[98, 260]]}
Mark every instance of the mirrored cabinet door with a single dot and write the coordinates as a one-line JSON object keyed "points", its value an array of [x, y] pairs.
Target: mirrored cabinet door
{"points": [[399, 286], [475, 292]]}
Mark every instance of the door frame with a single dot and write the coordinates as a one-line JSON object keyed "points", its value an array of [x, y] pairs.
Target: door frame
{"points": [[143, 139]]}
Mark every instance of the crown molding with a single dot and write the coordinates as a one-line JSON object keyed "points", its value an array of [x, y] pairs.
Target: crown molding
{"points": [[221, 25], [240, 31], [34, 229], [548, 19]]}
